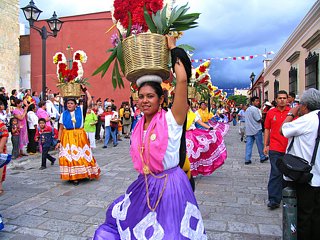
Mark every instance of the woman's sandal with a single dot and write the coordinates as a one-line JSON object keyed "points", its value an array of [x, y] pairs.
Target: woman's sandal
{"points": [[1, 191]]}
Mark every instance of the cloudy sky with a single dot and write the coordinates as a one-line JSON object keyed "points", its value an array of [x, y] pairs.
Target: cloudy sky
{"points": [[227, 28]]}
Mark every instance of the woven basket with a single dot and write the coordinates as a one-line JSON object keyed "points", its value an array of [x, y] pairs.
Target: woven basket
{"points": [[146, 53], [70, 90], [191, 92]]}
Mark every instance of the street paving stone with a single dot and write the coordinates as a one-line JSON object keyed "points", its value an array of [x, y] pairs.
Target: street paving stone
{"points": [[38, 205]]}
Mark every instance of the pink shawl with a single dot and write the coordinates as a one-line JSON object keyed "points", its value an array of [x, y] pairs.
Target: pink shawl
{"points": [[154, 146]]}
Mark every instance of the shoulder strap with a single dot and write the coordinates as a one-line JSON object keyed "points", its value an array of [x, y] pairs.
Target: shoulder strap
{"points": [[313, 159], [290, 146]]}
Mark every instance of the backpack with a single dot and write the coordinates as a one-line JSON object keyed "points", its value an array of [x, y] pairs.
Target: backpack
{"points": [[127, 114]]}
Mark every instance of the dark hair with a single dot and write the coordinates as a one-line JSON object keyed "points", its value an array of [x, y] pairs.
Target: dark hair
{"points": [[1, 103], [31, 107], [281, 92], [71, 99], [17, 101], [41, 104], [33, 93], [41, 120], [202, 102], [156, 87], [13, 91], [292, 94], [252, 99]]}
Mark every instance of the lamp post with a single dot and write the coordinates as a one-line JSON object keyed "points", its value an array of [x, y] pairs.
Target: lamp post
{"points": [[32, 13], [252, 76]]}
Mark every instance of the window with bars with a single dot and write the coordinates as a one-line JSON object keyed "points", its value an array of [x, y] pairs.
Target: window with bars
{"points": [[266, 95], [312, 78], [276, 87], [293, 80]]}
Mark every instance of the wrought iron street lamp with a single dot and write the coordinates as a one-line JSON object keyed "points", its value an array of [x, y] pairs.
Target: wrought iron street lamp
{"points": [[252, 76], [32, 13]]}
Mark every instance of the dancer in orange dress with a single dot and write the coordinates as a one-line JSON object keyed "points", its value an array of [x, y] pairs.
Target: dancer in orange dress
{"points": [[75, 156]]}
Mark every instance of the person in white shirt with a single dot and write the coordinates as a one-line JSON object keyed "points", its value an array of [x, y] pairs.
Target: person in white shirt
{"points": [[52, 110], [304, 130], [110, 127], [100, 122], [5, 114], [32, 125]]}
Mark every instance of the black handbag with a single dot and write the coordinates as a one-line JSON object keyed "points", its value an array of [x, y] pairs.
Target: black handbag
{"points": [[296, 168]]}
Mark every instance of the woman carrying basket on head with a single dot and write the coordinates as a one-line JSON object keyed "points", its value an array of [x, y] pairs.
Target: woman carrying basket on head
{"points": [[75, 156], [160, 203]]}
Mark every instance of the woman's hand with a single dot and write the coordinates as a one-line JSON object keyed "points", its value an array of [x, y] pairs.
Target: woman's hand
{"points": [[171, 42], [83, 88], [58, 146]]}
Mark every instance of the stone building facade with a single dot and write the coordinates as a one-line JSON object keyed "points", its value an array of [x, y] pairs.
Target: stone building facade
{"points": [[9, 44], [296, 66]]}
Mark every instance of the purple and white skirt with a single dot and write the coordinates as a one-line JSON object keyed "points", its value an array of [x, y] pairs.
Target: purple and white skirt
{"points": [[176, 216]]}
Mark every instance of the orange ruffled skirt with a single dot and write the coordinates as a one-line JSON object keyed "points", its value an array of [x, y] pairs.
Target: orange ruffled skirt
{"points": [[75, 157]]}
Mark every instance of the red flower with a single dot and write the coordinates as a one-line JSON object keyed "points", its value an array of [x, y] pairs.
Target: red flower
{"points": [[77, 57], [59, 57], [202, 69], [135, 7], [197, 74], [68, 74]]}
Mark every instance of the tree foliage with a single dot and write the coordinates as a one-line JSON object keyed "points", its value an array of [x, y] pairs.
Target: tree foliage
{"points": [[239, 99]]}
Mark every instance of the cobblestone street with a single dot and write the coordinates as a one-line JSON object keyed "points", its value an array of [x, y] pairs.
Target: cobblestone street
{"points": [[38, 205]]}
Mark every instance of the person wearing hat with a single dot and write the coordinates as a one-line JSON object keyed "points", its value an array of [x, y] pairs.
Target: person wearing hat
{"points": [[75, 156], [160, 203], [267, 106]]}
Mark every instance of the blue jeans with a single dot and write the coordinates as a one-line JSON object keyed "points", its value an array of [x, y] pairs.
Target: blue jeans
{"points": [[275, 183], [109, 133], [249, 145], [234, 121]]}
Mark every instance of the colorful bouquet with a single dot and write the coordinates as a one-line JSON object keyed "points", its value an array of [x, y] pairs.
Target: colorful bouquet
{"points": [[133, 17], [70, 71], [200, 81]]}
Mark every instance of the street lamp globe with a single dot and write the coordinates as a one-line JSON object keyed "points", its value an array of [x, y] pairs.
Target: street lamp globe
{"points": [[55, 24], [252, 76], [31, 12]]}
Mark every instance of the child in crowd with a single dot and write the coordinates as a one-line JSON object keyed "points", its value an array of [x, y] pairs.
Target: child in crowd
{"points": [[90, 126], [15, 138], [45, 135]]}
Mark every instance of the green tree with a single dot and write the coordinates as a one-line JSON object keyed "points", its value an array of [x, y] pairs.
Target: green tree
{"points": [[239, 99]]}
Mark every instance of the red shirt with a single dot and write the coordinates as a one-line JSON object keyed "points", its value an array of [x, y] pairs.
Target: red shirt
{"points": [[273, 122], [46, 129]]}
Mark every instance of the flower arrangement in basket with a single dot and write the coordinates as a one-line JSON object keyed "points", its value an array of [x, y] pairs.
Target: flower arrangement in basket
{"points": [[70, 73], [200, 82], [140, 45], [134, 91]]}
